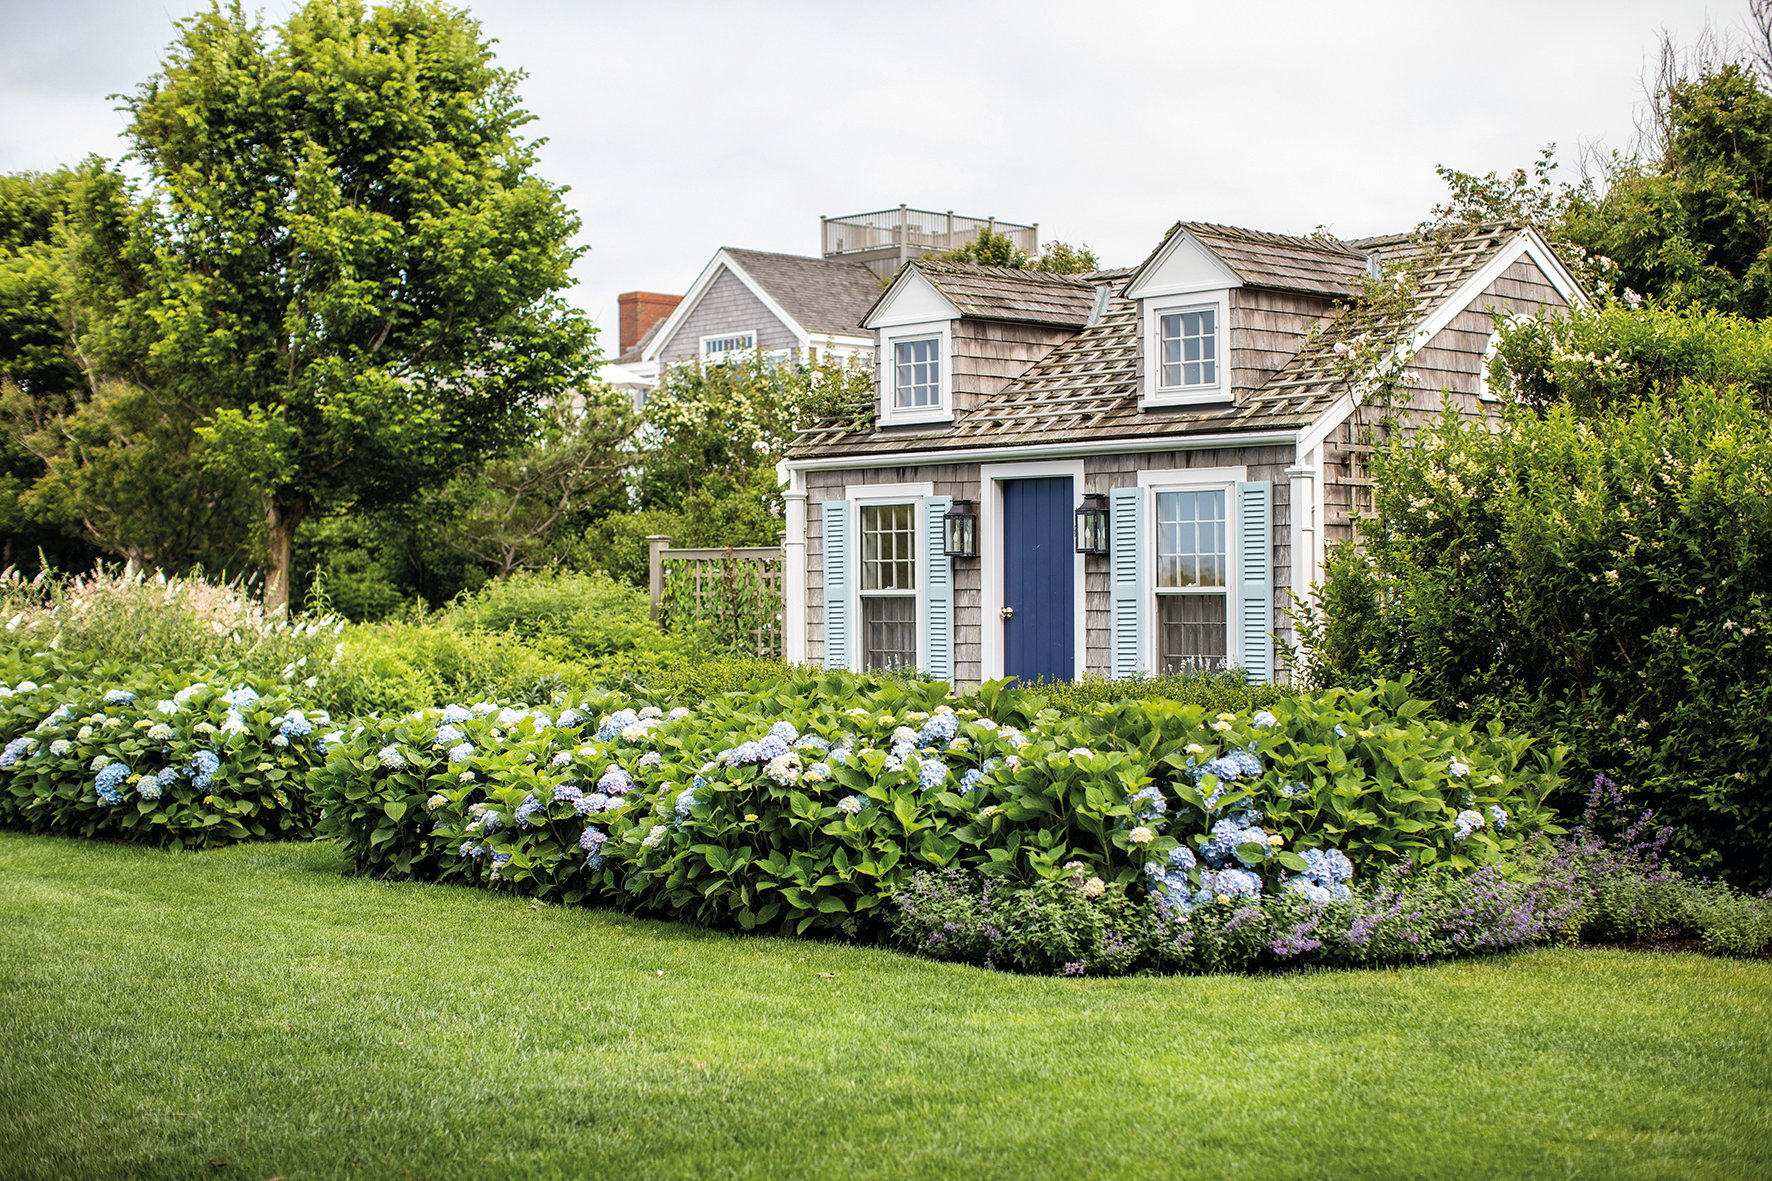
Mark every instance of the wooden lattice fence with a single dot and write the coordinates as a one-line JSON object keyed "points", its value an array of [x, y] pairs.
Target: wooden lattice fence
{"points": [[731, 597]]}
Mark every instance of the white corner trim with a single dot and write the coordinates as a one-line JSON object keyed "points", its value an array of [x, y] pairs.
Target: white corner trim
{"points": [[990, 562], [793, 622]]}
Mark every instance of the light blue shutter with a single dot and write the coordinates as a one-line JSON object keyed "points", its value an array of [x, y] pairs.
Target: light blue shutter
{"points": [[938, 593], [839, 643], [1255, 579], [1126, 578]]}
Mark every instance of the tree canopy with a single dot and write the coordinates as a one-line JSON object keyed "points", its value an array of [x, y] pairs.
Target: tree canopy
{"points": [[341, 258]]}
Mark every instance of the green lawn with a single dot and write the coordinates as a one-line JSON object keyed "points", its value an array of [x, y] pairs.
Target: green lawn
{"points": [[252, 1006]]}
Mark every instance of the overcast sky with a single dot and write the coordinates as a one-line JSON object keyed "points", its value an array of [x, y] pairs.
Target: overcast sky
{"points": [[686, 125]]}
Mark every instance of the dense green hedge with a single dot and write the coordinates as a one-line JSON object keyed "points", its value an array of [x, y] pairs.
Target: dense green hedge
{"points": [[803, 805], [1604, 580]]}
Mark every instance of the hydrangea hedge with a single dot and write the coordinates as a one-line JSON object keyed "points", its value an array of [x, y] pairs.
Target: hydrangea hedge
{"points": [[806, 807], [157, 762]]}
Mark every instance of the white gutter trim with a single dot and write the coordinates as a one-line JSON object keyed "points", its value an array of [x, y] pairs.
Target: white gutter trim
{"points": [[1044, 450]]}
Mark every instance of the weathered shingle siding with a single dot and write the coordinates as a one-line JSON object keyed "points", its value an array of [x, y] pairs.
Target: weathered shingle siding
{"points": [[951, 480], [1104, 473], [1100, 474], [1449, 366], [726, 306], [1267, 329], [988, 355]]}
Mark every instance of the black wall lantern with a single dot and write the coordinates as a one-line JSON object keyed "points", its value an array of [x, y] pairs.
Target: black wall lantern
{"points": [[959, 528], [1092, 525]]}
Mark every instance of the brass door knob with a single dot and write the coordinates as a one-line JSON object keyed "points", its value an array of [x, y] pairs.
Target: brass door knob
{"points": [[1007, 613]]}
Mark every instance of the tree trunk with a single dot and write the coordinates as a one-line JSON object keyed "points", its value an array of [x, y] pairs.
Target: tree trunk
{"points": [[282, 519], [134, 561]]}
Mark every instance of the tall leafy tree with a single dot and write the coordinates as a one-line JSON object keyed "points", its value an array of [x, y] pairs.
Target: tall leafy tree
{"points": [[1695, 225], [343, 259]]}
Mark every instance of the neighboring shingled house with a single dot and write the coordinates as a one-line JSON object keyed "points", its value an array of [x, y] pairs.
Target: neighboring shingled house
{"points": [[791, 305], [1199, 399], [751, 299]]}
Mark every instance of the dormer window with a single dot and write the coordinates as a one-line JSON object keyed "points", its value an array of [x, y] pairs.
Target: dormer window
{"points": [[916, 381], [1189, 342], [1186, 362], [914, 374]]}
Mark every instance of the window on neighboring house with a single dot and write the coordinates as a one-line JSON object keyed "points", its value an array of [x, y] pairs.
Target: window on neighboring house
{"points": [[916, 382], [888, 586], [733, 342], [1188, 339], [1193, 570]]}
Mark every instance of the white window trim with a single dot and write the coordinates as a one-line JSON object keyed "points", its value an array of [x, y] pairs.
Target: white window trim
{"points": [[1153, 310], [750, 332], [991, 561], [916, 495], [943, 410], [1485, 392], [1223, 479]]}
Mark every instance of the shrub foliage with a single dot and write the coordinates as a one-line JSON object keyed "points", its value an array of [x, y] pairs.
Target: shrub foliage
{"points": [[167, 762], [801, 806], [1598, 569]]}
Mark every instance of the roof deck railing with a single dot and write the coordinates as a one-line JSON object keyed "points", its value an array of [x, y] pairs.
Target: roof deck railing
{"points": [[916, 232]]}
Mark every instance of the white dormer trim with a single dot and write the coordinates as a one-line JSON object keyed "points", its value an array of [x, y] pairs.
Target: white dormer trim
{"points": [[913, 308], [911, 299], [1182, 275], [1181, 266], [722, 261], [941, 333], [1152, 310]]}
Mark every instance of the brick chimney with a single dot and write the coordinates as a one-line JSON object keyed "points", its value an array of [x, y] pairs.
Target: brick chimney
{"points": [[640, 310]]}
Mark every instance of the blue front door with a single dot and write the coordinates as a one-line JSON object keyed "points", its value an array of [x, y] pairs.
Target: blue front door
{"points": [[1039, 589]]}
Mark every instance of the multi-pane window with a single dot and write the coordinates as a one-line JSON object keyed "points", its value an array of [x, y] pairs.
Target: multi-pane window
{"points": [[1189, 344], [736, 342], [1192, 577], [916, 367], [888, 585]]}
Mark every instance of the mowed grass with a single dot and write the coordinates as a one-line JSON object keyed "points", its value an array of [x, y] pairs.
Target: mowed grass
{"points": [[251, 1006]]}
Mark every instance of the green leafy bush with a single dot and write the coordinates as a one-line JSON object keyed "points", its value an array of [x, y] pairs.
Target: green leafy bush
{"points": [[394, 668], [1598, 571], [203, 764], [1210, 691], [803, 804], [578, 617]]}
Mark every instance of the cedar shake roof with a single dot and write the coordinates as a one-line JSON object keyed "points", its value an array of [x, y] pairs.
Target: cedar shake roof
{"points": [[1089, 386], [1008, 293], [1316, 266], [825, 296]]}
